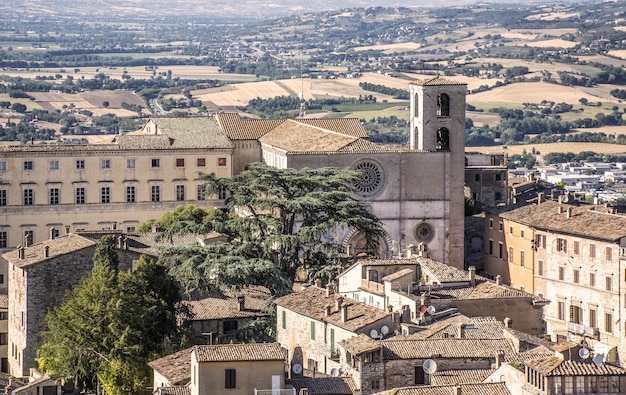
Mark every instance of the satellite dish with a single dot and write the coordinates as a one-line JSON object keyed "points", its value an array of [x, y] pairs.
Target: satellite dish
{"points": [[598, 359], [565, 198], [373, 333], [384, 329], [341, 371], [431, 310], [334, 372], [583, 353], [297, 368], [429, 366]]}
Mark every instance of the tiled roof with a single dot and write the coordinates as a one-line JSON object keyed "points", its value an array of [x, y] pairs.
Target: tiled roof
{"points": [[474, 328], [446, 348], [585, 221], [366, 146], [292, 136], [386, 262], [312, 301], [442, 272], [176, 367], [398, 274], [535, 353], [239, 352], [325, 385], [57, 247], [182, 132], [460, 376], [435, 81], [466, 389], [348, 126], [245, 129], [4, 300], [484, 290], [151, 243], [359, 344], [226, 305], [555, 366], [175, 390]]}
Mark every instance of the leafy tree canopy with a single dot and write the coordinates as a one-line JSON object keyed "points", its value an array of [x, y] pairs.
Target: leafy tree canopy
{"points": [[286, 220], [112, 324], [187, 213]]}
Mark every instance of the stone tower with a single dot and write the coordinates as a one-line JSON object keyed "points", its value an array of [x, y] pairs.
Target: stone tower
{"points": [[438, 128]]}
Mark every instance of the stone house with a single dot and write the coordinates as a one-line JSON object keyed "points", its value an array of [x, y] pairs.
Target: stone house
{"points": [[238, 369], [486, 178], [457, 389], [312, 322], [172, 370]]}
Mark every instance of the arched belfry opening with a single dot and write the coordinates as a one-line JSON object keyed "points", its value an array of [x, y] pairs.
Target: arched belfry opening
{"points": [[443, 105], [443, 139]]}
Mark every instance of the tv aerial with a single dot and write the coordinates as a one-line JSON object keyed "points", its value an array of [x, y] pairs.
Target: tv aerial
{"points": [[430, 366]]}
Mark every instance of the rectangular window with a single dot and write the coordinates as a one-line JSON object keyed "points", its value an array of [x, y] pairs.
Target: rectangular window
{"points": [[576, 247], [592, 250], [201, 193], [130, 163], [221, 162], [180, 162], [490, 223], [592, 279], [28, 165], [491, 247], [561, 245], [105, 195], [105, 164], [3, 197], [155, 193], [155, 163], [521, 258], [593, 318], [54, 196], [28, 197], [3, 165], [80, 164], [576, 276], [180, 193], [284, 319], [477, 177], [501, 250], [511, 229], [4, 337], [222, 193], [501, 227], [511, 254], [201, 162], [53, 165], [561, 312], [608, 322], [80, 195], [561, 273], [312, 330], [540, 241], [30, 235], [609, 283], [609, 253], [498, 196], [498, 176], [521, 233], [576, 314], [230, 378], [130, 194], [3, 239], [540, 268]]}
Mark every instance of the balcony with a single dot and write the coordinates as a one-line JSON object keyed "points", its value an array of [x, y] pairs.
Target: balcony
{"points": [[581, 330]]}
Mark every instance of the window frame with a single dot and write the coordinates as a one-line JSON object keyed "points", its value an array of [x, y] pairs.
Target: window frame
{"points": [[53, 164], [131, 163], [28, 197], [4, 197], [80, 195], [28, 165], [105, 164], [54, 196], [180, 193], [200, 162], [105, 194], [80, 164], [180, 162], [131, 194], [155, 163], [155, 193], [230, 378]]}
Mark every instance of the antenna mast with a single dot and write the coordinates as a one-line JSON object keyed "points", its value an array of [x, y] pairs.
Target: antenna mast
{"points": [[302, 102]]}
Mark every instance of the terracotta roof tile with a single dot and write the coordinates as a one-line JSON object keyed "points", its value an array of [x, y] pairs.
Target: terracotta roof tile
{"points": [[175, 390], [460, 376], [239, 352], [312, 302], [555, 366], [359, 344], [57, 247], [182, 132], [466, 389], [176, 367], [245, 129], [446, 348], [348, 126], [441, 272], [4, 300], [435, 81], [292, 136], [225, 305], [325, 385]]}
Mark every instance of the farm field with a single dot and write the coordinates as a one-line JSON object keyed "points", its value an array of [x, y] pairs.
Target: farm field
{"points": [[92, 101], [552, 147]]}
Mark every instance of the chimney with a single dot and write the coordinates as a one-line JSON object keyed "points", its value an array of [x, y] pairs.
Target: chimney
{"points": [[499, 358], [559, 209], [472, 275], [67, 229], [51, 233], [27, 240], [499, 279], [125, 242], [318, 283], [569, 212], [344, 313], [456, 390], [327, 310], [20, 252], [507, 322], [460, 331], [329, 289], [409, 251], [46, 251], [119, 242], [338, 303], [540, 197], [241, 302]]}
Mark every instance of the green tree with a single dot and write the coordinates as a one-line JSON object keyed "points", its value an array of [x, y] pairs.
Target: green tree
{"points": [[112, 324], [287, 219], [182, 216]]}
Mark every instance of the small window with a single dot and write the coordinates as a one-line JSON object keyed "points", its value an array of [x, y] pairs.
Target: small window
{"points": [[54, 165], [3, 165], [521, 258], [476, 177], [592, 250], [221, 162], [180, 162], [4, 337], [561, 273], [501, 227], [521, 233], [80, 195], [501, 250], [576, 247], [561, 245], [105, 164], [80, 164], [201, 192], [608, 322], [312, 330], [609, 283], [222, 193], [490, 223], [498, 196], [30, 235], [180, 193], [130, 163], [511, 254], [498, 177], [284, 319], [443, 105], [29, 197], [3, 197], [576, 276], [155, 163], [4, 315], [3, 244], [28, 165], [230, 326], [130, 194], [593, 318], [230, 378], [592, 279], [540, 267], [491, 247], [609, 253], [511, 229], [201, 162], [155, 193], [105, 195], [561, 312], [54, 196]]}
